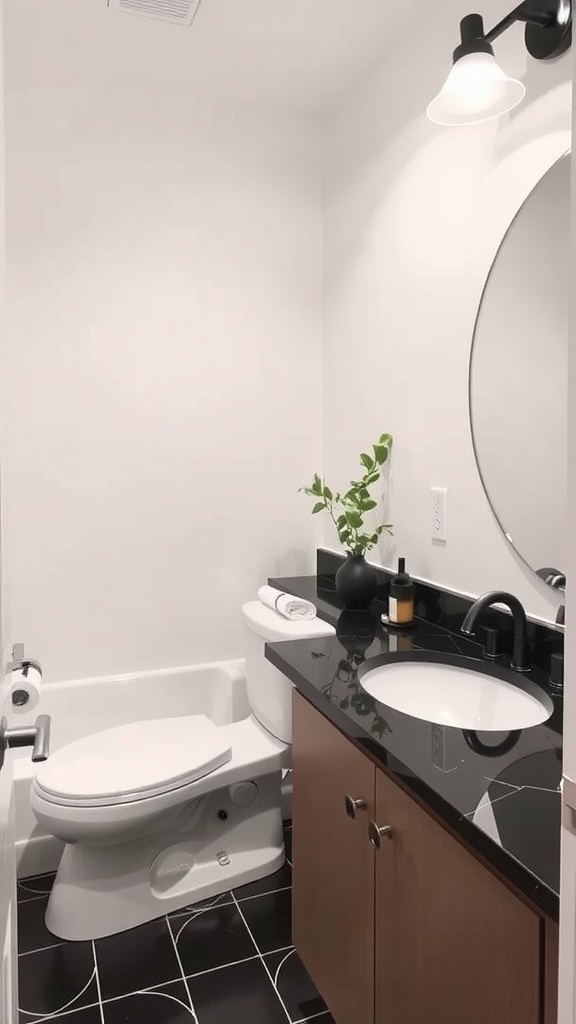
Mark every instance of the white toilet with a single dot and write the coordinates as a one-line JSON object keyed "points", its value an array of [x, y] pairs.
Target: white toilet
{"points": [[159, 814]]}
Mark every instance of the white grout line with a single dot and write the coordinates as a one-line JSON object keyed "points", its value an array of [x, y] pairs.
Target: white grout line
{"points": [[264, 964], [32, 878], [61, 1009], [113, 999], [194, 917], [33, 899], [281, 964], [193, 908], [42, 949], [141, 991], [56, 1016], [29, 883], [234, 963], [98, 982], [134, 992], [282, 949], [191, 913], [258, 895], [222, 967], [186, 985], [315, 1016], [166, 995], [152, 989]]}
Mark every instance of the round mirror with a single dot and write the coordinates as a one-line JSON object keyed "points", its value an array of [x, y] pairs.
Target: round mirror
{"points": [[518, 378]]}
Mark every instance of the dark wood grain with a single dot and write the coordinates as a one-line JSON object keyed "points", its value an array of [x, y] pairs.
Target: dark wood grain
{"points": [[550, 972], [333, 866], [453, 945]]}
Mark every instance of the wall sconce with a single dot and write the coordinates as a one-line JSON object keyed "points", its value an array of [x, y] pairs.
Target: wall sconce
{"points": [[477, 88]]}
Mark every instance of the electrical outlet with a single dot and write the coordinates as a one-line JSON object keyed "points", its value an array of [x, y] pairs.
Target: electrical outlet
{"points": [[438, 526]]}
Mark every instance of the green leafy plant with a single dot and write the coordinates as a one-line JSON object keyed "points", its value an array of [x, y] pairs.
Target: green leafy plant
{"points": [[348, 510]]}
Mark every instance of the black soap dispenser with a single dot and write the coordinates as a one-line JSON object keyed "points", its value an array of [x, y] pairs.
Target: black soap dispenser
{"points": [[401, 597]]}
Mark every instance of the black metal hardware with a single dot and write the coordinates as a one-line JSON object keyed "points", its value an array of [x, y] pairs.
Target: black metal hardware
{"points": [[491, 643], [520, 653], [488, 749], [556, 678], [548, 32]]}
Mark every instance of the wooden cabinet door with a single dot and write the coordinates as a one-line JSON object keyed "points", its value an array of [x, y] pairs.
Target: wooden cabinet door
{"points": [[551, 956], [333, 865], [453, 945]]}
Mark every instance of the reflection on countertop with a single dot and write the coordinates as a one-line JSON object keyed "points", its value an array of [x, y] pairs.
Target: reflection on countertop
{"points": [[499, 791]]}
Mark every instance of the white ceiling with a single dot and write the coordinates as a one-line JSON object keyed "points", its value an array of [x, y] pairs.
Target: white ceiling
{"points": [[302, 53]]}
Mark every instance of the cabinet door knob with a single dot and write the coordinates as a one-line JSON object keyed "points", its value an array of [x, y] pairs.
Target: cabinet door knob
{"points": [[377, 833], [352, 806]]}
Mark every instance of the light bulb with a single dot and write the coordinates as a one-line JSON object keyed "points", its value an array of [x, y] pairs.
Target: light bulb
{"points": [[476, 88]]}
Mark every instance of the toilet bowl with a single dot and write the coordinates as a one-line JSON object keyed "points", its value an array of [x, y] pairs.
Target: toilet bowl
{"points": [[161, 813]]}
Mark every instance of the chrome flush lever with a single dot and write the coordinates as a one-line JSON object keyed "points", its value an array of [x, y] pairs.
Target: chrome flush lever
{"points": [[36, 736]]}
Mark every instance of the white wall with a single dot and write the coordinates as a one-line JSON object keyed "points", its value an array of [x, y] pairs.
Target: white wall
{"points": [[165, 333], [164, 367], [414, 217]]}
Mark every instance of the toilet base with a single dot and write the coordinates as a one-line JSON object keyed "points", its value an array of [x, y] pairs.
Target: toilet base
{"points": [[215, 845]]}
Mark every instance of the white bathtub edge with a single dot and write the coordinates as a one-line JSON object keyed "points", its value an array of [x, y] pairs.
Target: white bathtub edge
{"points": [[37, 855], [38, 852]]}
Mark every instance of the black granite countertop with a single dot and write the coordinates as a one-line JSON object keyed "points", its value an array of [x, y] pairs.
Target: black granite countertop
{"points": [[505, 803]]}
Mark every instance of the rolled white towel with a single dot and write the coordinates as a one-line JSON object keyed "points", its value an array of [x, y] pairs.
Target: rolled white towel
{"points": [[289, 606]]}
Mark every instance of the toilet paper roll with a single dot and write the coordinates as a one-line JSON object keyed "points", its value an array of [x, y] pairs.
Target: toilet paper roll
{"points": [[25, 689]]}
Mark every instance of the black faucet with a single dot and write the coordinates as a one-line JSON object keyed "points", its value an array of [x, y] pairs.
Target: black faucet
{"points": [[520, 650]]}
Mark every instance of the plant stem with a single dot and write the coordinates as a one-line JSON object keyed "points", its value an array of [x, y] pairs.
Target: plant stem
{"points": [[332, 516], [330, 510]]}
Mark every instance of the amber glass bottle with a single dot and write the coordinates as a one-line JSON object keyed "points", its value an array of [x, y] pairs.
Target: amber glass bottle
{"points": [[401, 597]]}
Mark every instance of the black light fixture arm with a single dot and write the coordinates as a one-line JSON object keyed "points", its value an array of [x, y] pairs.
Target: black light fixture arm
{"points": [[524, 12], [548, 32]]}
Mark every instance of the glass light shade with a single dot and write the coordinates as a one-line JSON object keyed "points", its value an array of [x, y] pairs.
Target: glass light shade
{"points": [[476, 88]]}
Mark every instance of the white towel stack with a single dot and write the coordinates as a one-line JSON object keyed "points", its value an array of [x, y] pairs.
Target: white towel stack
{"points": [[286, 604]]}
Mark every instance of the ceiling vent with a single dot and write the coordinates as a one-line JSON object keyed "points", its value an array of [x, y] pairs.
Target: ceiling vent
{"points": [[179, 12]]}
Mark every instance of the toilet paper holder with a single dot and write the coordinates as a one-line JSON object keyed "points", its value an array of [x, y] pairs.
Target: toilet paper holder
{"points": [[19, 663]]}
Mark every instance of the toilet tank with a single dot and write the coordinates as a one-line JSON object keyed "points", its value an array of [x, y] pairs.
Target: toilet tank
{"points": [[270, 692]]}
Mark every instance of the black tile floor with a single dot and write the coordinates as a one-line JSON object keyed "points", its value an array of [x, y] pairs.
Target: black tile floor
{"points": [[224, 960]]}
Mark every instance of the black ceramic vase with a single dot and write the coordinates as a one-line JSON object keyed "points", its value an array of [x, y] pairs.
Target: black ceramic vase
{"points": [[356, 630], [356, 582]]}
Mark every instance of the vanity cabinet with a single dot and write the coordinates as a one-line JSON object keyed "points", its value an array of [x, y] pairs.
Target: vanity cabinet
{"points": [[453, 944], [395, 920], [333, 865]]}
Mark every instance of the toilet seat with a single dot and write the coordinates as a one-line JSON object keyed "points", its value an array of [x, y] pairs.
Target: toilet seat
{"points": [[254, 753], [134, 762]]}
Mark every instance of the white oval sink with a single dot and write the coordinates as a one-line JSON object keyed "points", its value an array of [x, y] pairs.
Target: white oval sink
{"points": [[448, 694]]}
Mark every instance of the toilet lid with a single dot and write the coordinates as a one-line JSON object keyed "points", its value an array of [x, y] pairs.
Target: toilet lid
{"points": [[135, 761]]}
